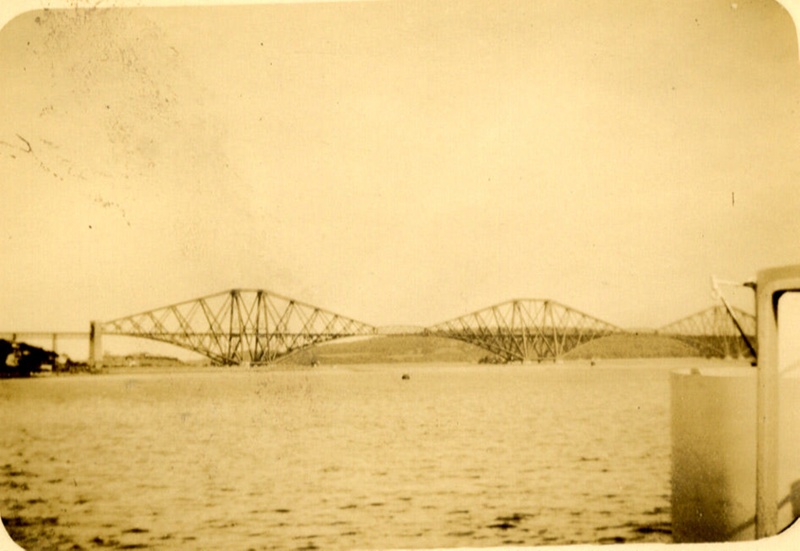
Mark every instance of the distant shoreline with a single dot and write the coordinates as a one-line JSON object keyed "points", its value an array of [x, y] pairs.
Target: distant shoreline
{"points": [[410, 350], [615, 363]]}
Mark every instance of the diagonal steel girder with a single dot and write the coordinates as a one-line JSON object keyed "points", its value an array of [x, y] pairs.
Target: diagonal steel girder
{"points": [[525, 329], [714, 332], [240, 325]]}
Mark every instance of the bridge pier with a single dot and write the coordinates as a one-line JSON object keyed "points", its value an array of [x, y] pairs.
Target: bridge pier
{"points": [[95, 345]]}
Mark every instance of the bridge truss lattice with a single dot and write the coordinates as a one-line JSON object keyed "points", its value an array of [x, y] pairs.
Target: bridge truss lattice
{"points": [[526, 329], [713, 331], [239, 326]]}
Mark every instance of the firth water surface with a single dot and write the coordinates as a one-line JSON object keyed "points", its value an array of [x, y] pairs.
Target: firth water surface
{"points": [[348, 457]]}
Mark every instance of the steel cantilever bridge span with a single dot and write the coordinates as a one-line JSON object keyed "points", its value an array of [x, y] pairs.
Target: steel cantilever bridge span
{"points": [[714, 332], [526, 329], [239, 326], [259, 327]]}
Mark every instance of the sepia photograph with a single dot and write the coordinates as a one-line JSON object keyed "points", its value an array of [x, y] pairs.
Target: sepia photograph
{"points": [[399, 274]]}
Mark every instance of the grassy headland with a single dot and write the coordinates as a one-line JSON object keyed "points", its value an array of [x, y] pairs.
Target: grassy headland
{"points": [[391, 349], [633, 345], [422, 349]]}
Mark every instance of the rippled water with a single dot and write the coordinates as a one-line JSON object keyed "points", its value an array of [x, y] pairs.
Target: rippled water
{"points": [[338, 457]]}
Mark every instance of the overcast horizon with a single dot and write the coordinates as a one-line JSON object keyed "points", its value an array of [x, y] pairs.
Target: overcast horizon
{"points": [[400, 163]]}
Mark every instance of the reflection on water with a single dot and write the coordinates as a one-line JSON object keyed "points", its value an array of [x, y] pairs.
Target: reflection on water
{"points": [[339, 457]]}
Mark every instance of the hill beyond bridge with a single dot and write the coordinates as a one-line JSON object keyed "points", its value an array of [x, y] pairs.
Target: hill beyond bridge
{"points": [[255, 326]]}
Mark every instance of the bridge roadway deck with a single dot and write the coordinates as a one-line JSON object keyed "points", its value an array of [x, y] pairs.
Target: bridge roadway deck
{"points": [[18, 335]]}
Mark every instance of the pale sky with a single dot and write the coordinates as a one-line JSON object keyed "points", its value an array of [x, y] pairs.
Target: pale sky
{"points": [[397, 162]]}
